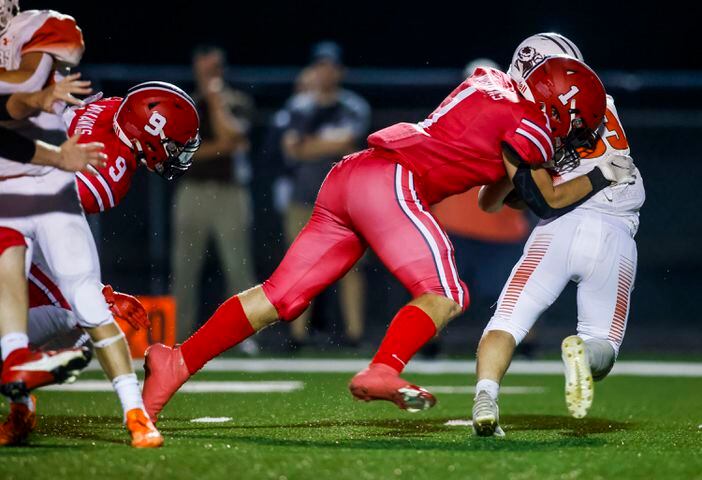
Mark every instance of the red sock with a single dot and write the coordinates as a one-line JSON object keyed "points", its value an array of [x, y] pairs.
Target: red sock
{"points": [[226, 328], [408, 332]]}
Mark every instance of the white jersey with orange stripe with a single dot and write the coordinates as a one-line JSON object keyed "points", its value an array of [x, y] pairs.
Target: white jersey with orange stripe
{"points": [[60, 41], [623, 201]]}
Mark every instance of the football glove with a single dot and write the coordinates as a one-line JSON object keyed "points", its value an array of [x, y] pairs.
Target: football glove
{"points": [[618, 168], [126, 307]]}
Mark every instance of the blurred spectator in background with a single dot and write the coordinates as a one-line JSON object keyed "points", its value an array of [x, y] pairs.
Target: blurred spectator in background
{"points": [[320, 124], [212, 201], [477, 235]]}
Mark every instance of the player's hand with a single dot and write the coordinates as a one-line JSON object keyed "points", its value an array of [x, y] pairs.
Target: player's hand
{"points": [[618, 168], [64, 91], [126, 307], [74, 156]]}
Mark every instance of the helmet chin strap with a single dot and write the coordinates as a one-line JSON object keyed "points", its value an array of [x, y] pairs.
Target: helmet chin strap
{"points": [[573, 109]]}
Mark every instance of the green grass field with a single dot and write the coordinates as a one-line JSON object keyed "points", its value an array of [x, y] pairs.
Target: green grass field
{"points": [[638, 428]]}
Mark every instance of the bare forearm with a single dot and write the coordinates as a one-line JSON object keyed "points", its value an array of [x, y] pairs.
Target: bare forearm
{"points": [[491, 197], [224, 123], [23, 105], [562, 195], [46, 154]]}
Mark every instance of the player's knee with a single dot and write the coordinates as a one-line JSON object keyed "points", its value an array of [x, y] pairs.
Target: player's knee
{"points": [[87, 302], [287, 306], [602, 354], [289, 310], [439, 307], [506, 324]]}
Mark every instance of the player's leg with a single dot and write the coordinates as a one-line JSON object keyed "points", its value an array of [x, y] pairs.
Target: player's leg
{"points": [[604, 294], [70, 255], [534, 284], [13, 330], [400, 229], [323, 252], [23, 369], [14, 302], [190, 233]]}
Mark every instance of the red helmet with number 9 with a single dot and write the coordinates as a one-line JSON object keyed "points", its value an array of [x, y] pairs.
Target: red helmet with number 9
{"points": [[574, 100], [160, 122]]}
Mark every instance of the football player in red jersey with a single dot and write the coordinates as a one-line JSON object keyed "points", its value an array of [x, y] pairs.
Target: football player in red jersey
{"points": [[380, 198], [155, 125]]}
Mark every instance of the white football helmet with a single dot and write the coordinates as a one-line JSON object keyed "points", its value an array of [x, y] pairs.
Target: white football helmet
{"points": [[8, 10], [535, 49]]}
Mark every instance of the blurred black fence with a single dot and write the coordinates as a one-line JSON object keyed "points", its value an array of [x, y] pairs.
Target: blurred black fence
{"points": [[660, 111]]}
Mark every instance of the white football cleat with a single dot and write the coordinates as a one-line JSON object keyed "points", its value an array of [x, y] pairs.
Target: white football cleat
{"points": [[486, 416], [579, 388]]}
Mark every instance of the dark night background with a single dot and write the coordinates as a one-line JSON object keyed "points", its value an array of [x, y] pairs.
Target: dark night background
{"points": [[648, 55], [615, 35]]}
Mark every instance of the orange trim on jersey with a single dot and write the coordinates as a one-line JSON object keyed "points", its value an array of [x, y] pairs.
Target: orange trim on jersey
{"points": [[60, 37], [613, 135], [536, 252]]}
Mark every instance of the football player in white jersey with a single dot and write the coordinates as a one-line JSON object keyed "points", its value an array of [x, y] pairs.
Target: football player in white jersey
{"points": [[592, 245], [40, 209]]}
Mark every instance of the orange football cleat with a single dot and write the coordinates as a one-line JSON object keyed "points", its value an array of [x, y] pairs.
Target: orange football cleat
{"points": [[144, 433], [19, 424]]}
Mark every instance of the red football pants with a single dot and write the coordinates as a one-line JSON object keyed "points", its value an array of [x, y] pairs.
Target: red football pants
{"points": [[366, 200]]}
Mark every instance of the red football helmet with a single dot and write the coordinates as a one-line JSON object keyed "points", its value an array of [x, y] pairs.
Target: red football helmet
{"points": [[574, 100], [160, 122]]}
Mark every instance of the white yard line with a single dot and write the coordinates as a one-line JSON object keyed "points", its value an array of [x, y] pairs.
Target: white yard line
{"points": [[211, 420], [191, 387], [459, 423], [518, 367], [549, 367], [508, 390]]}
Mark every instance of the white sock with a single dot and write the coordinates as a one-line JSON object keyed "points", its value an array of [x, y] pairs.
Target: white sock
{"points": [[11, 342], [490, 386], [127, 388]]}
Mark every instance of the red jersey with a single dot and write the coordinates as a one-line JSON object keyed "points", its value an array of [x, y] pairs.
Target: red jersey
{"points": [[109, 186], [460, 145]]}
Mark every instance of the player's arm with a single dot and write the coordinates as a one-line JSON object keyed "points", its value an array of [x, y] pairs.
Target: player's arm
{"points": [[29, 65], [71, 156], [25, 104], [535, 186], [492, 197]]}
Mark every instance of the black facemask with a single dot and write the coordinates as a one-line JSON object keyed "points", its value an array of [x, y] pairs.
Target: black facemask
{"points": [[180, 157]]}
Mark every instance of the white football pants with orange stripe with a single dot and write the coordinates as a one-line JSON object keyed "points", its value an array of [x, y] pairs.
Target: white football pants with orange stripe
{"points": [[595, 250]]}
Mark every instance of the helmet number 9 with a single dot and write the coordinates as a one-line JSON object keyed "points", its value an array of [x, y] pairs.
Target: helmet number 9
{"points": [[156, 124]]}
